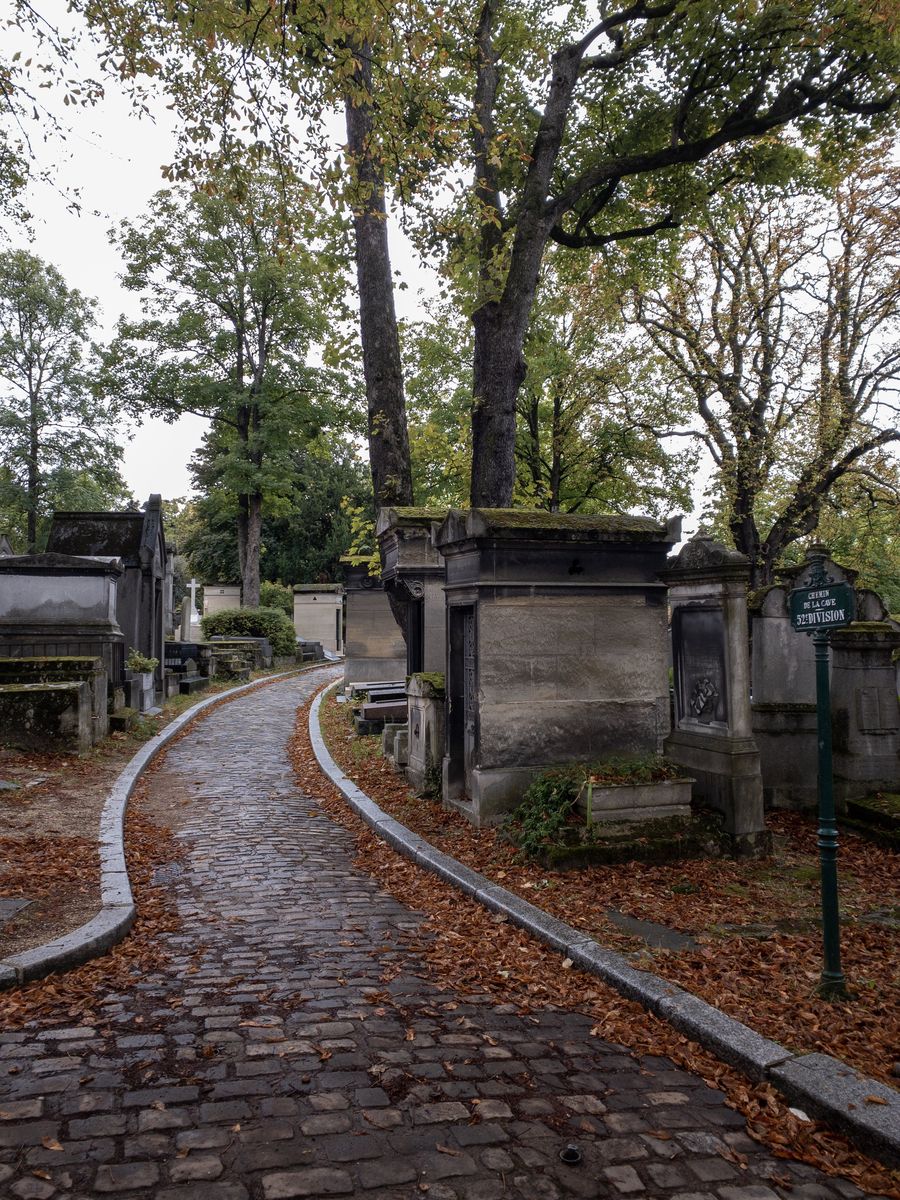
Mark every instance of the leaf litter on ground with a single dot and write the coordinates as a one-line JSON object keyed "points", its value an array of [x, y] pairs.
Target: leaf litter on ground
{"points": [[468, 950]]}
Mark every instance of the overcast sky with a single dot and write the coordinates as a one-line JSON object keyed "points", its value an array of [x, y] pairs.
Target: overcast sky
{"points": [[114, 159]]}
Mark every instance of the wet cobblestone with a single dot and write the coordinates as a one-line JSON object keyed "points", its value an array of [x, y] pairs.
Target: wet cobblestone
{"points": [[271, 1060]]}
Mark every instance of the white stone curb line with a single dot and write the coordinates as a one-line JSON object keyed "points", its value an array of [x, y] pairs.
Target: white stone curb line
{"points": [[821, 1085], [117, 910]]}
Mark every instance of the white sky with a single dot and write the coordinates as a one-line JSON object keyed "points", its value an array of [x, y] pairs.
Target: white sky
{"points": [[114, 159]]}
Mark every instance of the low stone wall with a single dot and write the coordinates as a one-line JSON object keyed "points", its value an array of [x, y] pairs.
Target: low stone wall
{"points": [[46, 717]]}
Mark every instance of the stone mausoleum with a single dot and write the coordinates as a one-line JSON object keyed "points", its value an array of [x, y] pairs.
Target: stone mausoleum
{"points": [[319, 614], [144, 601], [557, 646], [413, 574], [374, 648]]}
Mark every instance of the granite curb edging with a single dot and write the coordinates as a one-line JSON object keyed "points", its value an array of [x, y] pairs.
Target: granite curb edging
{"points": [[824, 1086], [117, 908]]}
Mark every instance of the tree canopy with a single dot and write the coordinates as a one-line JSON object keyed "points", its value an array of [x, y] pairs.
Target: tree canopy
{"points": [[58, 439], [235, 300]]}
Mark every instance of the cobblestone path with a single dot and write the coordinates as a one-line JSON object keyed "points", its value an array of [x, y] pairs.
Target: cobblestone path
{"points": [[256, 1066]]}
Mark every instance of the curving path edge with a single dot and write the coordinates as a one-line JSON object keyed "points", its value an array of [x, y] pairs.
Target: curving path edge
{"points": [[824, 1086], [117, 908]]}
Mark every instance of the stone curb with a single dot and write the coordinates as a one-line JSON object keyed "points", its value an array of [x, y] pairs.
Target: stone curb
{"points": [[117, 910], [824, 1086]]}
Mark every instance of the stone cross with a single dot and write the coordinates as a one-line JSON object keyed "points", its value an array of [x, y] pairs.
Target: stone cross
{"points": [[193, 585]]}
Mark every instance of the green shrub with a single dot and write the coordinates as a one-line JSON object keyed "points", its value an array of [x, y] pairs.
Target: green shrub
{"points": [[139, 663], [269, 623], [277, 595], [545, 808]]}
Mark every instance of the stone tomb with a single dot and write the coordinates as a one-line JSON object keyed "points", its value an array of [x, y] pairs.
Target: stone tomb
{"points": [[319, 614], [783, 680], [557, 647], [54, 605], [220, 597], [865, 710], [713, 735], [137, 538], [374, 646], [65, 669], [413, 574]]}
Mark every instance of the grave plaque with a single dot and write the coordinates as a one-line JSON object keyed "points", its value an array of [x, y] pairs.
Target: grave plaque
{"points": [[698, 635]]}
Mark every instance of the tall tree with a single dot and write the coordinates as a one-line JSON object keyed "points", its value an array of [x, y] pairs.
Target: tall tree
{"points": [[573, 131], [235, 303], [782, 325], [53, 429]]}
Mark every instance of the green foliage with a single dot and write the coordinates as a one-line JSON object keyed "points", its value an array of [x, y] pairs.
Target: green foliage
{"points": [[57, 439], [139, 663], [269, 623], [236, 294], [277, 595], [545, 809]]}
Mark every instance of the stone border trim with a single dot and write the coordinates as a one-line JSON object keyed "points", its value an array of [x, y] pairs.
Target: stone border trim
{"points": [[824, 1086], [117, 910]]}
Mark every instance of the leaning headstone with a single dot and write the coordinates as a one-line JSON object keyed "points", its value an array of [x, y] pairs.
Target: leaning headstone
{"points": [[713, 735], [426, 702], [557, 647]]}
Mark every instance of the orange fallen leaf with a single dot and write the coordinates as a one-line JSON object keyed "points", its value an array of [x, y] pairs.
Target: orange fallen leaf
{"points": [[50, 1143]]}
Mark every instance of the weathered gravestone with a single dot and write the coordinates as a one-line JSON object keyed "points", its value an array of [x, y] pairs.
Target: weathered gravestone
{"points": [[413, 574], [319, 614], [783, 685], [557, 647], [374, 646], [137, 539], [713, 736]]}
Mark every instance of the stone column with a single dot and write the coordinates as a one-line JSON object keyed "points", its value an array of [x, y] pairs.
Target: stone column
{"points": [[713, 734], [865, 710]]}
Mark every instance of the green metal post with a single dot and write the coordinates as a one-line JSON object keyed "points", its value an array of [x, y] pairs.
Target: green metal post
{"points": [[833, 983]]}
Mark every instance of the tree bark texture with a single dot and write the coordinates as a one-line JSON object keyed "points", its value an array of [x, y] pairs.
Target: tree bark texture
{"points": [[382, 368]]}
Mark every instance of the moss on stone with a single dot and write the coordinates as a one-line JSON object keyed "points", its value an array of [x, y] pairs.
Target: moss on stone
{"points": [[420, 515], [434, 681], [529, 518]]}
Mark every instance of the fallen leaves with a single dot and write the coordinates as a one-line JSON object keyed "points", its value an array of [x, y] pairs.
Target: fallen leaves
{"points": [[471, 953]]}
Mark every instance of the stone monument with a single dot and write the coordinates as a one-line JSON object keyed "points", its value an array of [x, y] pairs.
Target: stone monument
{"points": [[374, 646], [413, 574], [319, 614], [713, 735], [556, 647], [137, 539]]}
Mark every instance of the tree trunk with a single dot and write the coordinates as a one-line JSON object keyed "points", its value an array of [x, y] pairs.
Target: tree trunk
{"points": [[382, 368], [251, 512], [33, 478], [499, 370]]}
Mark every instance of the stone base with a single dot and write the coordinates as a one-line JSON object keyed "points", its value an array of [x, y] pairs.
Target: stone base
{"points": [[787, 739], [374, 669], [728, 780], [637, 801], [49, 718], [193, 683], [493, 792]]}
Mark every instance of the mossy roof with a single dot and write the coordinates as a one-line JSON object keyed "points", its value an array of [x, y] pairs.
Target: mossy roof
{"points": [[543, 525], [318, 587]]}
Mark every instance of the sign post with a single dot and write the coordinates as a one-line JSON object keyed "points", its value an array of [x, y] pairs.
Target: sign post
{"points": [[816, 609]]}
